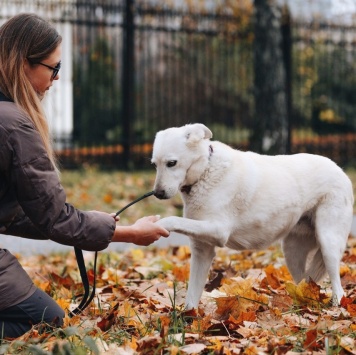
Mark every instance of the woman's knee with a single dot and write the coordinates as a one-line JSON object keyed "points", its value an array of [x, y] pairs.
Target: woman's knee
{"points": [[43, 308], [38, 309]]}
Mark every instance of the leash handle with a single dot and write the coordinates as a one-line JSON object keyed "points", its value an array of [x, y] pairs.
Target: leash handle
{"points": [[86, 300], [83, 273]]}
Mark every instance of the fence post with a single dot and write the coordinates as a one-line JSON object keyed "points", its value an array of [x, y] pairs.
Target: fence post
{"points": [[269, 135], [128, 91], [287, 58]]}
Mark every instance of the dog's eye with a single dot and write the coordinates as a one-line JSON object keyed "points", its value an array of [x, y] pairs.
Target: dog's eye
{"points": [[171, 163]]}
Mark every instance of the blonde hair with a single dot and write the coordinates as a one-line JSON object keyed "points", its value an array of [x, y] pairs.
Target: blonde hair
{"points": [[26, 37]]}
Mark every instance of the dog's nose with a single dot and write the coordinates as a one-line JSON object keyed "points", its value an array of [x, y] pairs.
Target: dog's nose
{"points": [[160, 194]]}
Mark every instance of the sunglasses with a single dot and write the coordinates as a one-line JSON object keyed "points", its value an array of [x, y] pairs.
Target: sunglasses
{"points": [[55, 69]]}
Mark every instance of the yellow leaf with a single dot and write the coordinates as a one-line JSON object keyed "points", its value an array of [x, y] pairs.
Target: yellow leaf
{"points": [[344, 269], [138, 254], [183, 252], [306, 293], [64, 304], [248, 297], [126, 310]]}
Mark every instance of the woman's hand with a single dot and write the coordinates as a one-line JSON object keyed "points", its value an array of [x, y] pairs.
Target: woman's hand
{"points": [[143, 232]]}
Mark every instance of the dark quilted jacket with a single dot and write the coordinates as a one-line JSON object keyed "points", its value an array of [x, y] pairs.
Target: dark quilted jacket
{"points": [[33, 202]]}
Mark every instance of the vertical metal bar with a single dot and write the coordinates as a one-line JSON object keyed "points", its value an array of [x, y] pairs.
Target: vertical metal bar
{"points": [[287, 57], [128, 90]]}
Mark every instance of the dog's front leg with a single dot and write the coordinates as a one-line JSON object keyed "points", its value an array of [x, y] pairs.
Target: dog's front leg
{"points": [[210, 232], [202, 257]]}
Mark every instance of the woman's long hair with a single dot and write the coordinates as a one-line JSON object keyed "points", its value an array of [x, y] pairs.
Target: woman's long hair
{"points": [[26, 37]]}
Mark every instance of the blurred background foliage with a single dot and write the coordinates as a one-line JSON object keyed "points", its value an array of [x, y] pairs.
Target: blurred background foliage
{"points": [[142, 66]]}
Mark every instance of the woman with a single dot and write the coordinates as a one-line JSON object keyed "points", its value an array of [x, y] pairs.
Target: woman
{"points": [[32, 201]]}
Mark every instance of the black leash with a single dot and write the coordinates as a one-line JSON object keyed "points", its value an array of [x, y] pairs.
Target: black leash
{"points": [[86, 300]]}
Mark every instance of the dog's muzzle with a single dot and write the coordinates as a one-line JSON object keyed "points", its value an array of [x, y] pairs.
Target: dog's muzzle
{"points": [[161, 194]]}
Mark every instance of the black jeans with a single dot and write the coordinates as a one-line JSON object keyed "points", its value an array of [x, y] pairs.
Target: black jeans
{"points": [[38, 308]]}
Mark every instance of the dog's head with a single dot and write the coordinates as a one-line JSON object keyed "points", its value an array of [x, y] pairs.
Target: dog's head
{"points": [[180, 155]]}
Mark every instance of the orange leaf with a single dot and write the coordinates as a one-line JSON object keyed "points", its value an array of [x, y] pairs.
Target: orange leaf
{"points": [[351, 308], [345, 301], [244, 316], [276, 276], [272, 277], [165, 322], [181, 273], [108, 198]]}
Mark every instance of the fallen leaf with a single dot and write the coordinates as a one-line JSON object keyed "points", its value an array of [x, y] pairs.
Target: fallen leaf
{"points": [[305, 293], [310, 342]]}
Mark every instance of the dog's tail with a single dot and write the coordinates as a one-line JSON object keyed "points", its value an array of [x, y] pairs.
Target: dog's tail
{"points": [[316, 270]]}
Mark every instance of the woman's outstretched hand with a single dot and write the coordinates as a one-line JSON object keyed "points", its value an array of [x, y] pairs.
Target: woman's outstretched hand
{"points": [[143, 232]]}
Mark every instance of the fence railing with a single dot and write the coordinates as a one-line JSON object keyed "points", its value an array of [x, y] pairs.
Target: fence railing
{"points": [[137, 69]]}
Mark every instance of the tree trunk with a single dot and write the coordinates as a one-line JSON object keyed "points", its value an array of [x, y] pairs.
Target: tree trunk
{"points": [[270, 125]]}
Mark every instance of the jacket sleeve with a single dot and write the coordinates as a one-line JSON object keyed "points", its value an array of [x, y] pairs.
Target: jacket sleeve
{"points": [[43, 199]]}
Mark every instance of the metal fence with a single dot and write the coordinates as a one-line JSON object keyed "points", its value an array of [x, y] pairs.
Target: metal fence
{"points": [[137, 68]]}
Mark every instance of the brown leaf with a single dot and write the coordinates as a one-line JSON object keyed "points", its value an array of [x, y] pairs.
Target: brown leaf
{"points": [[281, 302], [108, 320], [227, 306], [148, 343], [66, 281], [215, 282], [310, 342]]}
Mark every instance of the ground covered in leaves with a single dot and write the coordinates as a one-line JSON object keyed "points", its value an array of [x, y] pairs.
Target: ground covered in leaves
{"points": [[250, 306]]}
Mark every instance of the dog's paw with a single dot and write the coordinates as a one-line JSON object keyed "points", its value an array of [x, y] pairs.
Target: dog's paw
{"points": [[169, 223]]}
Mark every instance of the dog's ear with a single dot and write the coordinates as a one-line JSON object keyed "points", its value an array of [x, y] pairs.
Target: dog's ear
{"points": [[196, 132]]}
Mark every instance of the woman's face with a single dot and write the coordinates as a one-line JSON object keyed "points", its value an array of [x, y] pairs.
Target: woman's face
{"points": [[40, 76]]}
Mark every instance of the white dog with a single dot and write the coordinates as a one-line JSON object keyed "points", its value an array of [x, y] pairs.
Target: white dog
{"points": [[243, 200]]}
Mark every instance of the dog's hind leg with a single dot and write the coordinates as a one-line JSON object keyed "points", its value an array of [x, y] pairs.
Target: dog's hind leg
{"points": [[333, 223], [202, 257], [298, 245]]}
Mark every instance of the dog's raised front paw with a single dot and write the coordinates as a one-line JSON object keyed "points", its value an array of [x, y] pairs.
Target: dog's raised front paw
{"points": [[169, 223]]}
